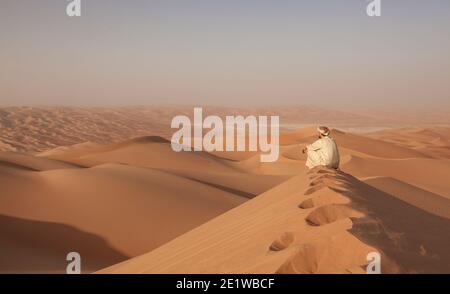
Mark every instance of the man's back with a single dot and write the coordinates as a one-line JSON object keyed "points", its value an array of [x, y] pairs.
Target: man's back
{"points": [[323, 152]]}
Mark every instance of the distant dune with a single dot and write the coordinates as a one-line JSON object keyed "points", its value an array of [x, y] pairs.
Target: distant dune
{"points": [[106, 184], [37, 129], [131, 205]]}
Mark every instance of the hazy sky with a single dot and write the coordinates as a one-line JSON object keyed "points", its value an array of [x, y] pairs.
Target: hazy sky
{"points": [[227, 52]]}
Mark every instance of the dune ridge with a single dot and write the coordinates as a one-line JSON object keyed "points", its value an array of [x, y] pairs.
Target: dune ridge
{"points": [[331, 235]]}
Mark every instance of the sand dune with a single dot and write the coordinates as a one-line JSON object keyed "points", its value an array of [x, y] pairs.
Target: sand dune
{"points": [[115, 202], [154, 152], [241, 240], [118, 202], [30, 246], [428, 174], [94, 181], [423, 199], [33, 163], [434, 141], [356, 216], [329, 236]]}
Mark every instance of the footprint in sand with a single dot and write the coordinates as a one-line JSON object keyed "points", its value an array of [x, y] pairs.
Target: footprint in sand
{"points": [[335, 187], [327, 208], [304, 261], [330, 207], [340, 253], [282, 242], [330, 213], [309, 257], [335, 181], [323, 199]]}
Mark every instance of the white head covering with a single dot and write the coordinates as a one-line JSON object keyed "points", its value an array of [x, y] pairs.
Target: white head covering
{"points": [[324, 131]]}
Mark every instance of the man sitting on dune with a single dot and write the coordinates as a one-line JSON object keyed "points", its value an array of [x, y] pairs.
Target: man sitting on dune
{"points": [[323, 152]]}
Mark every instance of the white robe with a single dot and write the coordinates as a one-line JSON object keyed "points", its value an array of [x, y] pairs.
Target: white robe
{"points": [[323, 152]]}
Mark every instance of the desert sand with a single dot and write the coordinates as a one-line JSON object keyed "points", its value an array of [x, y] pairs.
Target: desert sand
{"points": [[107, 185]]}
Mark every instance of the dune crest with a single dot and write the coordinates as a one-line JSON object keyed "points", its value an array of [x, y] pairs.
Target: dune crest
{"points": [[333, 235]]}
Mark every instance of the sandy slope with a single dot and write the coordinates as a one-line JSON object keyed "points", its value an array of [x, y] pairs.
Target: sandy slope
{"points": [[243, 240], [322, 222], [428, 174], [423, 199], [200, 212], [155, 152], [434, 140], [117, 203], [117, 208]]}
